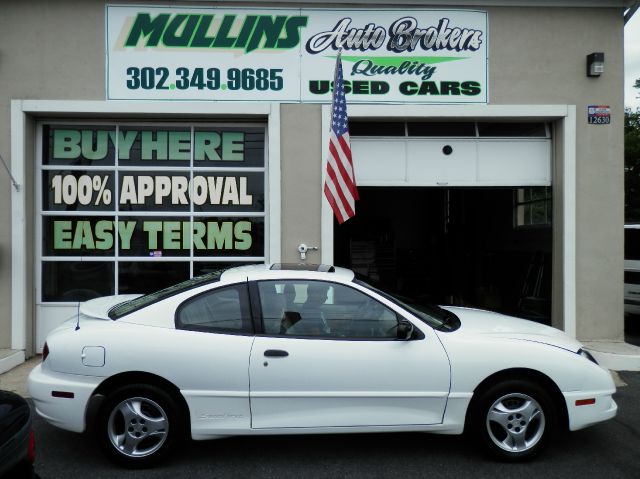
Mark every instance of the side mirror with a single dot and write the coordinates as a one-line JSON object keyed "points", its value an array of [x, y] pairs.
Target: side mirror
{"points": [[405, 330]]}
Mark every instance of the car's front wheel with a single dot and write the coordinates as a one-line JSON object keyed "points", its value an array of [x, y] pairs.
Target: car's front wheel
{"points": [[514, 419], [138, 425]]}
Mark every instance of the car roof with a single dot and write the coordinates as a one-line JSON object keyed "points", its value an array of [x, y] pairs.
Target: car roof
{"points": [[286, 271]]}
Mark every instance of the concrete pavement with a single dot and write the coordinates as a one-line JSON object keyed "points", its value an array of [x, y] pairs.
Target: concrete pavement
{"points": [[15, 379]]}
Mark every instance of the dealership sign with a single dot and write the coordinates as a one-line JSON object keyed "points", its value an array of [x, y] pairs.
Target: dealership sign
{"points": [[241, 54]]}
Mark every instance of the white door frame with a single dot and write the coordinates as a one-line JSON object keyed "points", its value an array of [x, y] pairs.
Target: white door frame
{"points": [[564, 113]]}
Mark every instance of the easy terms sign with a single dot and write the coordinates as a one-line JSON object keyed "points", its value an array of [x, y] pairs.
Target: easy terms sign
{"points": [[222, 54]]}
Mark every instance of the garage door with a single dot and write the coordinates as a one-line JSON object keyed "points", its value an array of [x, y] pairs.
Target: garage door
{"points": [[451, 154]]}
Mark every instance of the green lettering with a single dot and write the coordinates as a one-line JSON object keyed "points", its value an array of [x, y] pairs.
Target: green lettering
{"points": [[180, 145], [145, 27], [125, 142], [200, 38], [171, 234], [471, 88], [180, 30], [125, 231], [186, 235], [152, 228], [245, 33], [151, 145], [104, 236], [66, 144], [242, 231], [62, 234], [220, 235], [205, 144], [428, 88], [292, 29], [269, 28], [223, 40], [193, 31], [233, 146], [199, 232], [100, 149], [83, 236]]}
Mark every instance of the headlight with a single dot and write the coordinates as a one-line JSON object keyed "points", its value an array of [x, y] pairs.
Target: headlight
{"points": [[586, 354]]}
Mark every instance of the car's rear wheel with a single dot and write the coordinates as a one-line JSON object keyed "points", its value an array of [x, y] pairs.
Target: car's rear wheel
{"points": [[514, 419], [139, 425]]}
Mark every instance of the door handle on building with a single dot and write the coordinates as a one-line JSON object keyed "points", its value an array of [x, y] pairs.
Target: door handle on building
{"points": [[303, 248]]}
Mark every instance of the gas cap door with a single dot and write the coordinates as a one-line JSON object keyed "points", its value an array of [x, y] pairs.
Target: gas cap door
{"points": [[93, 356]]}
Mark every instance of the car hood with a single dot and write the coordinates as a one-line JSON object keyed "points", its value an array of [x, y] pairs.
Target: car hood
{"points": [[99, 307], [476, 322]]}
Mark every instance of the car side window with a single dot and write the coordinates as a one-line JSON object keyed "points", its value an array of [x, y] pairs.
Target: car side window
{"points": [[323, 309], [222, 310]]}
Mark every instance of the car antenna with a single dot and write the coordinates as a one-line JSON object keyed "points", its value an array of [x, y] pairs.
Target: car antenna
{"points": [[78, 320]]}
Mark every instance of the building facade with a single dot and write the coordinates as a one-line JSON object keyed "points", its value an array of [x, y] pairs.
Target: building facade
{"points": [[153, 141]]}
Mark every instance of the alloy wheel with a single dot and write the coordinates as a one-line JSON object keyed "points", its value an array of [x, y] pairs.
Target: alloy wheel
{"points": [[515, 422], [138, 427]]}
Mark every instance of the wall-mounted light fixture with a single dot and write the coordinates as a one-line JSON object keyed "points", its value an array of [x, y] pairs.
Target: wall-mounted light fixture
{"points": [[595, 64]]}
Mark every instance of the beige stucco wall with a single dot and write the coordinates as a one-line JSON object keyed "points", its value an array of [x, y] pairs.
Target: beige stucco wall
{"points": [[55, 50], [540, 58], [301, 179], [44, 53]]}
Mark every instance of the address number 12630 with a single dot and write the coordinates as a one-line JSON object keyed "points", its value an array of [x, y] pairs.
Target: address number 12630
{"points": [[160, 78]]}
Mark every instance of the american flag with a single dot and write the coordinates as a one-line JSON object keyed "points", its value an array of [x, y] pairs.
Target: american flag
{"points": [[340, 182]]}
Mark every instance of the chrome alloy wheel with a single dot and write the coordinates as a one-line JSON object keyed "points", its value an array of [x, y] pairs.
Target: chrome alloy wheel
{"points": [[515, 422], [137, 427]]}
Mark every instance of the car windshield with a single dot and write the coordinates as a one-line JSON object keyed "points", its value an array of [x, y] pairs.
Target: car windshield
{"points": [[127, 307], [431, 314]]}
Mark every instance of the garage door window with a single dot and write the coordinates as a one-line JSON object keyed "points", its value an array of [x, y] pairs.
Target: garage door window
{"points": [[133, 208], [533, 207]]}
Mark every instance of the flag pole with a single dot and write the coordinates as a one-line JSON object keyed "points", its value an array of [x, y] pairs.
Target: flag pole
{"points": [[335, 75]]}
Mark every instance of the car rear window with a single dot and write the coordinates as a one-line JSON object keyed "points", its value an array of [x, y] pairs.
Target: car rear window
{"points": [[135, 304]]}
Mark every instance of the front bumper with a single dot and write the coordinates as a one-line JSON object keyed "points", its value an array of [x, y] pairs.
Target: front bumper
{"points": [[65, 413], [583, 416]]}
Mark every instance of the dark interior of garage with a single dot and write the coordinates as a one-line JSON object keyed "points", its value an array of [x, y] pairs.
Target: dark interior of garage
{"points": [[456, 246]]}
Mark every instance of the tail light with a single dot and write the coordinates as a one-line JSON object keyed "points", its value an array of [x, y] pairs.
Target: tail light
{"points": [[31, 452], [45, 352]]}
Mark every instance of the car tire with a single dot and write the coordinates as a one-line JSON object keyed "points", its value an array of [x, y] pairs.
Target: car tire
{"points": [[139, 425], [514, 419]]}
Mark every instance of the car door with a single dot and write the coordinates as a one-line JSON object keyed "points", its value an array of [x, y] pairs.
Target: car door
{"points": [[215, 335], [346, 367]]}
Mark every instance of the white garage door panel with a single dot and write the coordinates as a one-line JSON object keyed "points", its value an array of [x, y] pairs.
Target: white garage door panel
{"points": [[379, 160], [472, 162], [427, 165], [514, 162]]}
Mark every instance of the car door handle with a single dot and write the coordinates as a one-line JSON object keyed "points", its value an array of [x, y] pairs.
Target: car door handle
{"points": [[275, 353]]}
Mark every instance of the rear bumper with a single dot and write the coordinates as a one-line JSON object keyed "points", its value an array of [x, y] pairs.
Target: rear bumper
{"points": [[65, 413], [580, 417]]}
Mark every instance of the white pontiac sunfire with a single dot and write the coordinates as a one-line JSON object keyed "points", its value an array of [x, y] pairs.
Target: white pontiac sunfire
{"points": [[282, 349]]}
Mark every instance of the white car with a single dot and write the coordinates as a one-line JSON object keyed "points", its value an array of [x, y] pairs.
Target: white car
{"points": [[276, 349]]}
